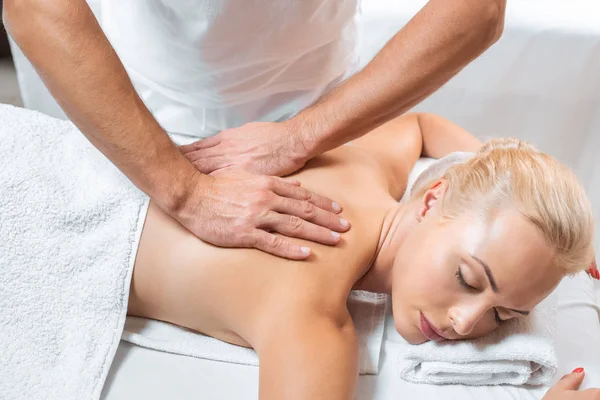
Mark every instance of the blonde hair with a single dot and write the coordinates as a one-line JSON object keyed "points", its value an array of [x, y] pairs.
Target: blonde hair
{"points": [[542, 189]]}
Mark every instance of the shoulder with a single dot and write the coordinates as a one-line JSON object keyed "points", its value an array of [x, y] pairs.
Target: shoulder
{"points": [[394, 148]]}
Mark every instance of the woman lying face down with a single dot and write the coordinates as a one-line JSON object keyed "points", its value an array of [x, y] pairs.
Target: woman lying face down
{"points": [[475, 244], [484, 241]]}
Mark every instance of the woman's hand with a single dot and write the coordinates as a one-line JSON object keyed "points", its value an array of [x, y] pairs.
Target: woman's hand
{"points": [[568, 388]]}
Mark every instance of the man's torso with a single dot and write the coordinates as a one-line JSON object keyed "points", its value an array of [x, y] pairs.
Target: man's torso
{"points": [[203, 66]]}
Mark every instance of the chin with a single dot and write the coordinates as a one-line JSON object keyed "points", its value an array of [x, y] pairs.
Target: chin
{"points": [[409, 332], [417, 341]]}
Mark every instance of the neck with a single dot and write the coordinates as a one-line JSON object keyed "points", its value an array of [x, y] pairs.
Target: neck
{"points": [[396, 224]]}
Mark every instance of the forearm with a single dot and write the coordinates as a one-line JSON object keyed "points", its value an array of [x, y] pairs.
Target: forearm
{"points": [[442, 137], [84, 74], [437, 43], [316, 360]]}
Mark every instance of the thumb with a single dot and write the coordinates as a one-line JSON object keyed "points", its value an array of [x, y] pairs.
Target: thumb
{"points": [[570, 381]]}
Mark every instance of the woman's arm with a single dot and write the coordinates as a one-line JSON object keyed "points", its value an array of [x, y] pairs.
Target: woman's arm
{"points": [[308, 356], [442, 137], [397, 145], [416, 135]]}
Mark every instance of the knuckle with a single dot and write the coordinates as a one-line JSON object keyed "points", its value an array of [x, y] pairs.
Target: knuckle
{"points": [[265, 197], [268, 182], [259, 199], [295, 223], [250, 240], [307, 196], [308, 209], [240, 228], [275, 242], [252, 212]]}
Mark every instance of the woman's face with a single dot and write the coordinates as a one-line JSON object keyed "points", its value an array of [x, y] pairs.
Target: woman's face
{"points": [[460, 278]]}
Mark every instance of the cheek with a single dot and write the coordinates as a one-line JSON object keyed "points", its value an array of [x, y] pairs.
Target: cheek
{"points": [[422, 276]]}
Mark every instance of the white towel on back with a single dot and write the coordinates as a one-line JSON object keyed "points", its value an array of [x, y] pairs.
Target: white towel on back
{"points": [[70, 222]]}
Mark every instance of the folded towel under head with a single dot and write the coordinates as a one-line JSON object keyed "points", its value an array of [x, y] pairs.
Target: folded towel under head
{"points": [[367, 311], [522, 351]]}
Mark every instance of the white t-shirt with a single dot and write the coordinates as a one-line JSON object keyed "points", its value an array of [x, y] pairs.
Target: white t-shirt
{"points": [[202, 66]]}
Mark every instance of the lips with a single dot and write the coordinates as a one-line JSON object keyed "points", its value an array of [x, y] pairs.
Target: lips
{"points": [[429, 331]]}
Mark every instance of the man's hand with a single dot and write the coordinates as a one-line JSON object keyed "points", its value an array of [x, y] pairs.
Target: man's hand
{"points": [[238, 209], [266, 148]]}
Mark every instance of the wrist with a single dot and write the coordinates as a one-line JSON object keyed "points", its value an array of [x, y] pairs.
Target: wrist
{"points": [[183, 186], [302, 144], [310, 134]]}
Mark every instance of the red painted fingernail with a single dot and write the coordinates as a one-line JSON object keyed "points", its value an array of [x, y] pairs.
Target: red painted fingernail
{"points": [[578, 370], [594, 273]]}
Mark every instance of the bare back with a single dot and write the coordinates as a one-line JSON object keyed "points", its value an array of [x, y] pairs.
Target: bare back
{"points": [[226, 293]]}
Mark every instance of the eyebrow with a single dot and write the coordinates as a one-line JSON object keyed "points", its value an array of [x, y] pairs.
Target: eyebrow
{"points": [[488, 273]]}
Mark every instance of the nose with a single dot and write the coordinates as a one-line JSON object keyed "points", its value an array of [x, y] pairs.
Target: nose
{"points": [[464, 317]]}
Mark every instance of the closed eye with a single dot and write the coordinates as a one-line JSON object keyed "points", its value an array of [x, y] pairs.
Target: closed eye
{"points": [[461, 280]]}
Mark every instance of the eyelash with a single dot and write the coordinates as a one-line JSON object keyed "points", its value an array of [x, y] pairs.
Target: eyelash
{"points": [[463, 283]]}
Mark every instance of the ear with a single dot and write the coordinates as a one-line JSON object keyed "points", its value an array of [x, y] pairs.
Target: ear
{"points": [[431, 197]]}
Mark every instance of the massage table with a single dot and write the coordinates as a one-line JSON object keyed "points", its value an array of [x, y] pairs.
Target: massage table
{"points": [[147, 374], [540, 82]]}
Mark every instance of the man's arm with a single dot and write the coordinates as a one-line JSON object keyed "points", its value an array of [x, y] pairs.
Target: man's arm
{"points": [[435, 45], [65, 44], [311, 357]]}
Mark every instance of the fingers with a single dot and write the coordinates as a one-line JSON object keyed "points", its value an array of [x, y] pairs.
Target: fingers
{"points": [[307, 213], [291, 181], [278, 246], [300, 193], [293, 226], [570, 381], [200, 144]]}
